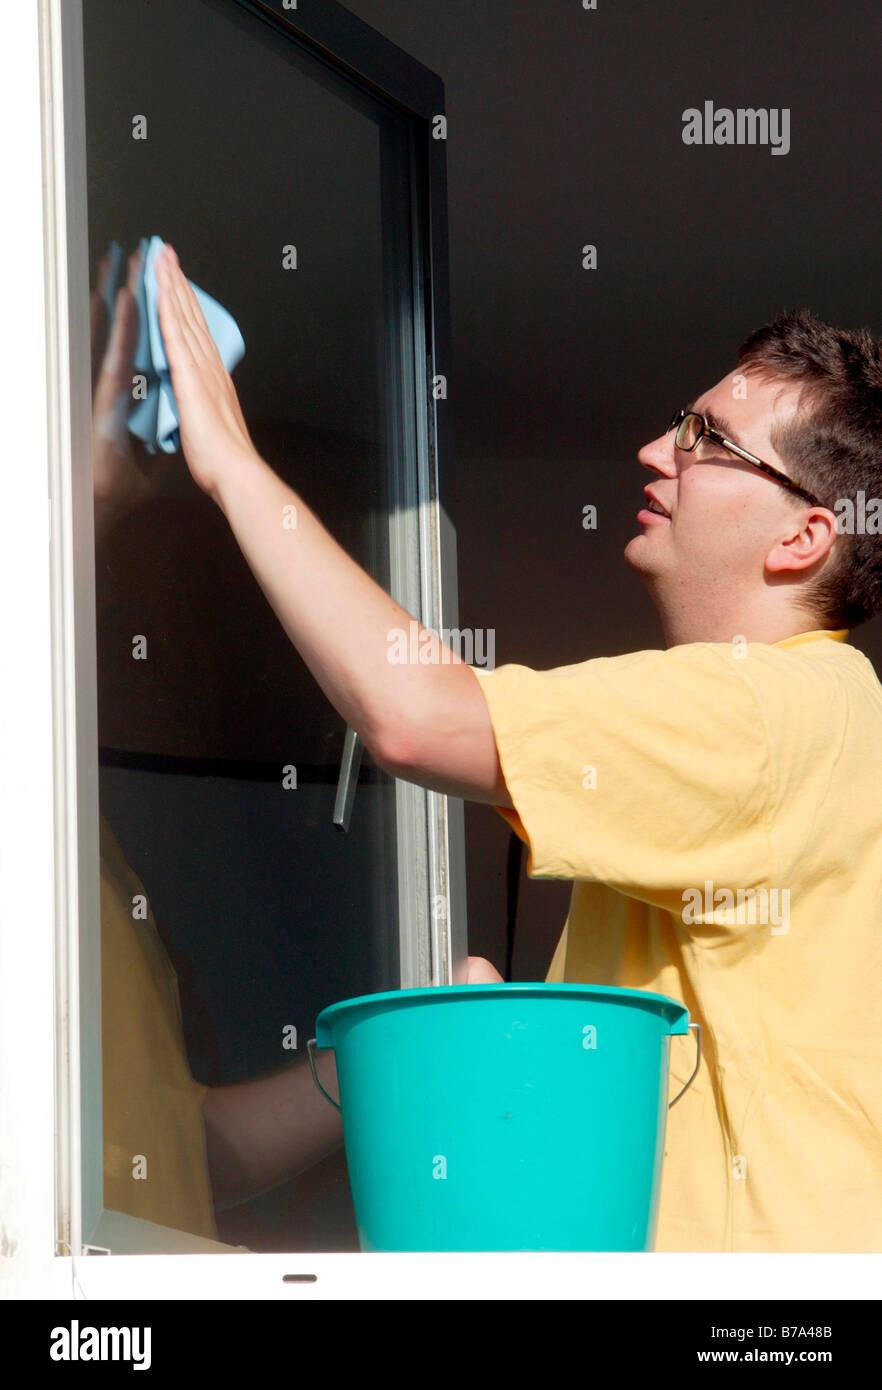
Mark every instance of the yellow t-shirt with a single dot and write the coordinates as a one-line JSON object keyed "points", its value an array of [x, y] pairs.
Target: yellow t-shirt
{"points": [[659, 780], [152, 1103]]}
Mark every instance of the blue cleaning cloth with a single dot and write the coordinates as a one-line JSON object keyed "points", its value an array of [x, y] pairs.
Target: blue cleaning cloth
{"points": [[154, 419]]}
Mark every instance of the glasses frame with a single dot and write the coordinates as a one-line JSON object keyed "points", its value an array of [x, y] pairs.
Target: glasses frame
{"points": [[679, 418]]}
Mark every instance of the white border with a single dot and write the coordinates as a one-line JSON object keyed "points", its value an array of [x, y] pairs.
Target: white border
{"points": [[28, 872]]}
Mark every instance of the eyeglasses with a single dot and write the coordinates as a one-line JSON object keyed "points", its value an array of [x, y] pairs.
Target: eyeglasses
{"points": [[691, 427]]}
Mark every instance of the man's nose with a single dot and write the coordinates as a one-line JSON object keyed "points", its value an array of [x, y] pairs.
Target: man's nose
{"points": [[660, 455]]}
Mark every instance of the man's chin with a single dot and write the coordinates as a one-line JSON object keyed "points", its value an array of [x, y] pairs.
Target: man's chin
{"points": [[645, 565], [635, 554]]}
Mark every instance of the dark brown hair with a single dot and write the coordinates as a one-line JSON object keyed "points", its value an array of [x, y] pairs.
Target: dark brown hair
{"points": [[833, 447]]}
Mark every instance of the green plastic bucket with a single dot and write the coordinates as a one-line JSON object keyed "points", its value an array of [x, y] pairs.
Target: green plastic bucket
{"points": [[504, 1116]]}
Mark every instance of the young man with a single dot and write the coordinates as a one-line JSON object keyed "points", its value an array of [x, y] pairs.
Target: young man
{"points": [[716, 804]]}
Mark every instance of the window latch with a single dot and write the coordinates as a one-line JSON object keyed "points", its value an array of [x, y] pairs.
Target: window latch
{"points": [[348, 779]]}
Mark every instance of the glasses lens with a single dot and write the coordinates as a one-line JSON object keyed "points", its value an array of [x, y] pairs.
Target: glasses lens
{"points": [[689, 432]]}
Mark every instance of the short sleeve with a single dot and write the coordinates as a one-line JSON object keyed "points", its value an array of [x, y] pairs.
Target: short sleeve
{"points": [[649, 772]]}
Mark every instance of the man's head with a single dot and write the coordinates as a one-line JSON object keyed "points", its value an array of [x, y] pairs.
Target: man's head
{"points": [[739, 552]]}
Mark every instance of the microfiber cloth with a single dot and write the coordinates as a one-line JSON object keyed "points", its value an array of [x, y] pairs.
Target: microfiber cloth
{"points": [[154, 419]]}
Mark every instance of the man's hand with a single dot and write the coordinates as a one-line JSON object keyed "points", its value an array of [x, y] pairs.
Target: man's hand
{"points": [[481, 972], [213, 429]]}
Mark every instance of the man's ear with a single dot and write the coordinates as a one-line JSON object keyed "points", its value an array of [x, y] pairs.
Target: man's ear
{"points": [[808, 542]]}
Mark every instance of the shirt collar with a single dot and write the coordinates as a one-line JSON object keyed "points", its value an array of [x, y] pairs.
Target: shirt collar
{"points": [[800, 639]]}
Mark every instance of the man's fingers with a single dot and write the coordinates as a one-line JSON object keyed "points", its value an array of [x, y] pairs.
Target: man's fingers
{"points": [[212, 422], [176, 339], [192, 330], [185, 340], [192, 318]]}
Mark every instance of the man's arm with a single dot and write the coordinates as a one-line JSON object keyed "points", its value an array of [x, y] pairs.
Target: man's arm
{"points": [[262, 1133], [426, 723]]}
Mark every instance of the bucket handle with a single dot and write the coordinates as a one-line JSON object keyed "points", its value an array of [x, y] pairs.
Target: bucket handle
{"points": [[697, 1027], [310, 1047]]}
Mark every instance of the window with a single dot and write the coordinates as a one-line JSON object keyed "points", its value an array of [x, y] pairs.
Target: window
{"points": [[235, 856]]}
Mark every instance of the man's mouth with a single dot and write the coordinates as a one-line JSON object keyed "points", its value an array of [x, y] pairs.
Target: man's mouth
{"points": [[654, 506]]}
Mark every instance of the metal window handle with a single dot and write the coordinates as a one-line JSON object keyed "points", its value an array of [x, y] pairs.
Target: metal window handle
{"points": [[348, 779]]}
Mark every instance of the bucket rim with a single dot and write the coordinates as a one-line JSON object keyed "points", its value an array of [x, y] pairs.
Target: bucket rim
{"points": [[678, 1012]]}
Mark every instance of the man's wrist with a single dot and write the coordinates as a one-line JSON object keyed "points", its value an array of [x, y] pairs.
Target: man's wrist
{"points": [[235, 474]]}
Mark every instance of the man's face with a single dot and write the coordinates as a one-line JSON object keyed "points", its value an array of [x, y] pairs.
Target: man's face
{"points": [[724, 515]]}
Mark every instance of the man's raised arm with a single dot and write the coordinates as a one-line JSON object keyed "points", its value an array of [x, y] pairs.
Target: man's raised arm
{"points": [[427, 723]]}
